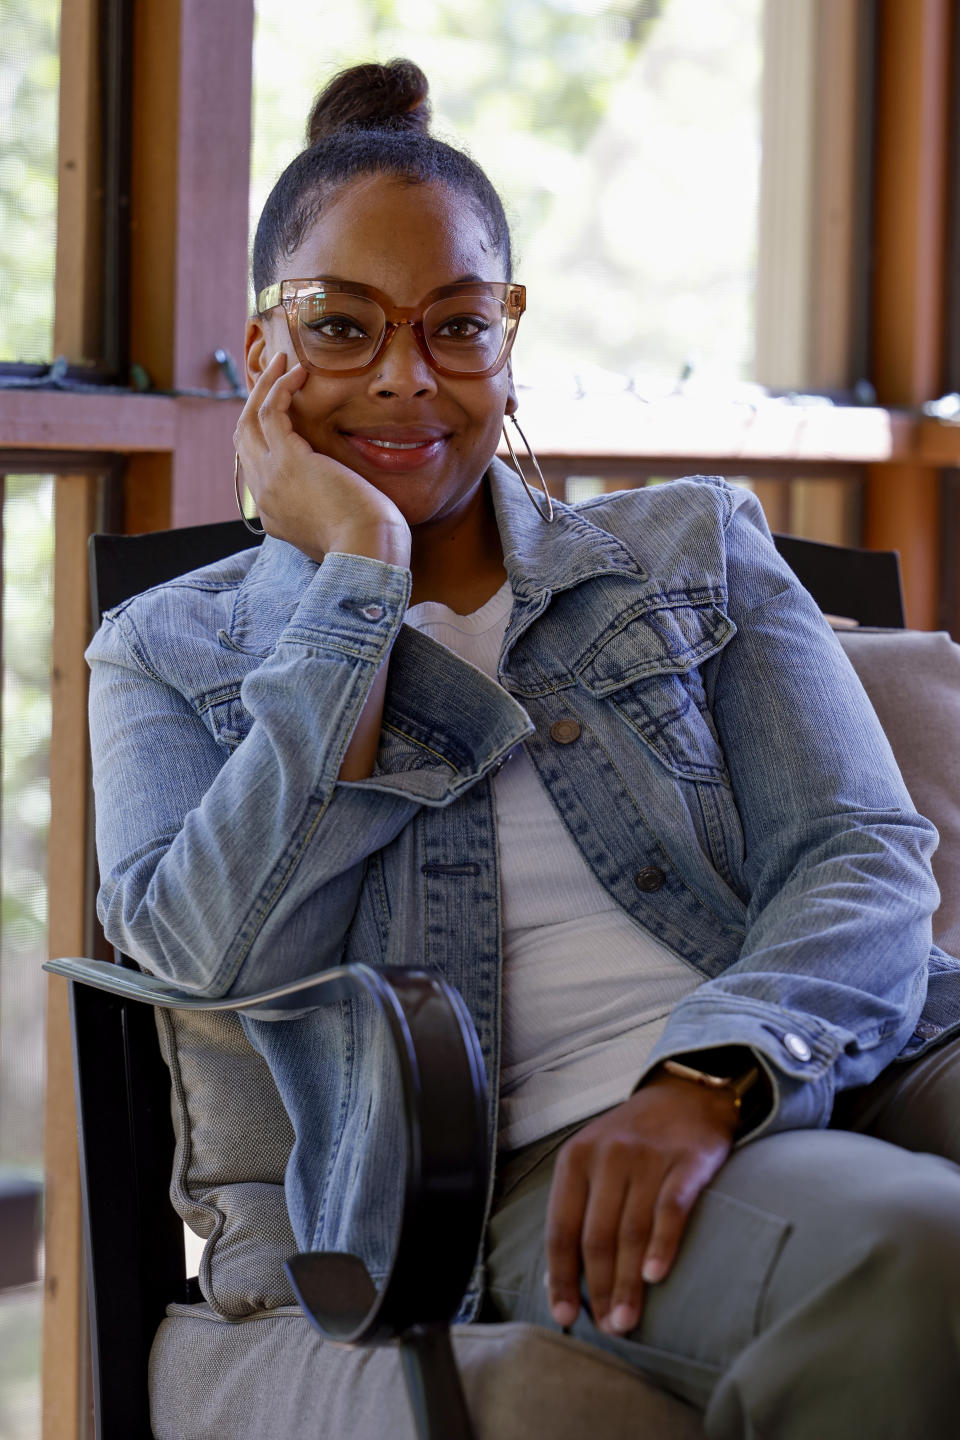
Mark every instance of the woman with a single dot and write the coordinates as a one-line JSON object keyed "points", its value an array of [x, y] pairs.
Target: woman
{"points": [[624, 747]]}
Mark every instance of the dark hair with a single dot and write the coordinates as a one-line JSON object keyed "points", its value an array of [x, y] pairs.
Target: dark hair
{"points": [[369, 120]]}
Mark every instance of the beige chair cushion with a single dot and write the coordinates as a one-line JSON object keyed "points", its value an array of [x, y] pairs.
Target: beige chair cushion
{"points": [[271, 1375], [913, 680], [233, 1135]]}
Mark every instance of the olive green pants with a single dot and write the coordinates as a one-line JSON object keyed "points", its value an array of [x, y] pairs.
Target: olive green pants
{"points": [[816, 1295]]}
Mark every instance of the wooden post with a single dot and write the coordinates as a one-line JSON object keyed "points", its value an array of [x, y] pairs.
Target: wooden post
{"points": [[190, 182], [76, 331], [64, 1357], [189, 199], [901, 509], [76, 335]]}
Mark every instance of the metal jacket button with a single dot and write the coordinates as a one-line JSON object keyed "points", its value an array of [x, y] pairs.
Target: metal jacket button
{"points": [[927, 1030], [650, 878], [565, 731], [373, 612], [797, 1046]]}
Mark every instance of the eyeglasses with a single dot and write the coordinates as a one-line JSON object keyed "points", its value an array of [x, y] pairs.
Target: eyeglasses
{"points": [[342, 328]]}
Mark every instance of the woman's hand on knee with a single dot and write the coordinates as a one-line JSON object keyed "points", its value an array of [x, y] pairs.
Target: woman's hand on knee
{"points": [[304, 496], [622, 1192]]}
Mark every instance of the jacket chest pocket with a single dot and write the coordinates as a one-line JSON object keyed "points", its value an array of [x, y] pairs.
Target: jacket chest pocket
{"points": [[665, 711], [649, 673]]}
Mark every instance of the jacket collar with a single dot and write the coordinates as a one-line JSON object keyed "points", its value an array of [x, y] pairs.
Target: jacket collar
{"points": [[550, 558]]}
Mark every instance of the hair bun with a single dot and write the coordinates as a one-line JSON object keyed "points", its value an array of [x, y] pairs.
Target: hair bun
{"points": [[372, 97]]}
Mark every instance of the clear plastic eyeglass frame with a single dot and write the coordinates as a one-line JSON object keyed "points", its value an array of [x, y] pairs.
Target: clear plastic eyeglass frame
{"points": [[291, 294]]}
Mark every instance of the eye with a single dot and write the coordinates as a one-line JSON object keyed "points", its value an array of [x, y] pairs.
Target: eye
{"points": [[461, 327], [338, 329]]}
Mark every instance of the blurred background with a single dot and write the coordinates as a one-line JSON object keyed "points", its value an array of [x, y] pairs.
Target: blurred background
{"points": [[737, 227]]}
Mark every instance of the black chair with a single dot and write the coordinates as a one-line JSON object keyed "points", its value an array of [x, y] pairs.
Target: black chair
{"points": [[134, 1239]]}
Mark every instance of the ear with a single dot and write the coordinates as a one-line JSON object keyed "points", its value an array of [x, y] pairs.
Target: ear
{"points": [[255, 350], [513, 404]]}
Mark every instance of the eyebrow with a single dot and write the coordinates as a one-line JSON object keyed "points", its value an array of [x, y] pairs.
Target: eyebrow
{"points": [[351, 280]]}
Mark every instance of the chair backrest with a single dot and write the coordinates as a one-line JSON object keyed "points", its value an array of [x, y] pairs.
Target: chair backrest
{"points": [[135, 1254], [134, 1239], [861, 585]]}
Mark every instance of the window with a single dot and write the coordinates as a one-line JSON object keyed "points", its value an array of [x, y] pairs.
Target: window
{"points": [[25, 641], [625, 140], [29, 74]]}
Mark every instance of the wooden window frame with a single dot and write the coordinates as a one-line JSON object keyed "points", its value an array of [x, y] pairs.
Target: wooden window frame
{"points": [[182, 140]]}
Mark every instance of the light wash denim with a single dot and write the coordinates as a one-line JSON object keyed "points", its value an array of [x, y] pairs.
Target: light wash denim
{"points": [[725, 742]]}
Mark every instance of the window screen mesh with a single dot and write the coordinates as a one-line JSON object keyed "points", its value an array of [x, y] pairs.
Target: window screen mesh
{"points": [[29, 80]]}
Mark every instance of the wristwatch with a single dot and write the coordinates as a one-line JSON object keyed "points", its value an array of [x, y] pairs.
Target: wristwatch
{"points": [[731, 1068]]}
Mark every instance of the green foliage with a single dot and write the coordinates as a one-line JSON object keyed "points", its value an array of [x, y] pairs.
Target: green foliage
{"points": [[29, 77]]}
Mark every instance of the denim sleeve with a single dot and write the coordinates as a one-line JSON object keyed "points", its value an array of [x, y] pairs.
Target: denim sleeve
{"points": [[832, 974], [207, 861]]}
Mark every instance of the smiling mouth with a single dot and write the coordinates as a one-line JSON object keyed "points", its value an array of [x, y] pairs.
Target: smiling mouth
{"points": [[399, 452], [397, 444]]}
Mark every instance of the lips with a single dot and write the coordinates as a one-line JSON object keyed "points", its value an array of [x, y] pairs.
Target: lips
{"points": [[397, 447]]}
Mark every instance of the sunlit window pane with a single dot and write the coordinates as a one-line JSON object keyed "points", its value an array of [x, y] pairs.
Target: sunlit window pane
{"points": [[624, 138], [27, 622], [29, 79]]}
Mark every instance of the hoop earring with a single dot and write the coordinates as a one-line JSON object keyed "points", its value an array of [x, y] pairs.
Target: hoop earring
{"points": [[546, 515], [236, 490]]}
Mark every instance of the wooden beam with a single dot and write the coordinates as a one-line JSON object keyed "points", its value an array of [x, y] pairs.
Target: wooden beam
{"points": [[57, 420], [64, 1366], [189, 201], [834, 194], [936, 443], [772, 431], [902, 512], [76, 329], [25, 422], [911, 174], [901, 508]]}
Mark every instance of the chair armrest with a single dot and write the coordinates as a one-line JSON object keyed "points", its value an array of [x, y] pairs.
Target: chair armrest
{"points": [[444, 1093], [330, 986]]}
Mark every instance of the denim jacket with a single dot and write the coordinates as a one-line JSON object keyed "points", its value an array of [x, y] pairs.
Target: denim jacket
{"points": [[730, 787]]}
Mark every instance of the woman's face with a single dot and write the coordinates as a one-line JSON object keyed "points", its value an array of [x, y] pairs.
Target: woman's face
{"points": [[404, 240]]}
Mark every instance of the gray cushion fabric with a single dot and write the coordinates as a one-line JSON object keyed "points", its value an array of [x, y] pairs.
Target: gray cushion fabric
{"points": [[233, 1137], [271, 1375], [913, 680]]}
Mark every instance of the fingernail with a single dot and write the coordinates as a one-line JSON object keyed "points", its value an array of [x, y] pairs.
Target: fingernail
{"points": [[623, 1318], [653, 1271], [563, 1312]]}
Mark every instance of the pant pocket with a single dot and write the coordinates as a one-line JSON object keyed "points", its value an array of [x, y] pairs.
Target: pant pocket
{"points": [[709, 1307]]}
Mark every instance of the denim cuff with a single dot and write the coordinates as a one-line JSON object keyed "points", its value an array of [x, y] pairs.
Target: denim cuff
{"points": [[794, 1052], [353, 604]]}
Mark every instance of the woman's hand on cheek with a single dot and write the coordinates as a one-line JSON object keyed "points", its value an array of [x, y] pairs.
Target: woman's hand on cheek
{"points": [[304, 497], [622, 1192]]}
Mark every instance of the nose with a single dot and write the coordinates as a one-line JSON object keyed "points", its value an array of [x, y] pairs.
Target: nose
{"points": [[401, 370]]}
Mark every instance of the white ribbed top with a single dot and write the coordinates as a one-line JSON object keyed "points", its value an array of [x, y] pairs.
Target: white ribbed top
{"points": [[586, 991]]}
